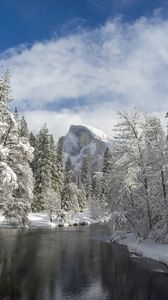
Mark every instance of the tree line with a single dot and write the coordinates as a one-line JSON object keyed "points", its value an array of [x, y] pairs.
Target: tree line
{"points": [[35, 176]]}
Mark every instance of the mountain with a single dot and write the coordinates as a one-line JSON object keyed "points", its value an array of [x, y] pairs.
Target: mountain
{"points": [[83, 140]]}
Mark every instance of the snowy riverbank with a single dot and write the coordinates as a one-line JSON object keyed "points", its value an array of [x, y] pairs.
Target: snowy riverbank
{"points": [[42, 220], [147, 248]]}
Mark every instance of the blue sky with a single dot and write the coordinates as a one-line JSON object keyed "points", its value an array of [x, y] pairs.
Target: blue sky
{"points": [[26, 21], [79, 61]]}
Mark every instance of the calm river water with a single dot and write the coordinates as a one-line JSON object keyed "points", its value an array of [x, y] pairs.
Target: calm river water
{"points": [[74, 263]]}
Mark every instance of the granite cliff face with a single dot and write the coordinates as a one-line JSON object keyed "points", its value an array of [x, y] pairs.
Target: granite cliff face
{"points": [[84, 140]]}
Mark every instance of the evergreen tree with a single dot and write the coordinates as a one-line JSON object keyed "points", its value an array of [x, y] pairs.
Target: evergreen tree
{"points": [[86, 180], [69, 172], [107, 161], [32, 139], [70, 197], [54, 169], [16, 154], [70, 189], [52, 202], [5, 90], [33, 143], [82, 198], [106, 171], [47, 195], [16, 114], [23, 130], [98, 205], [43, 171], [60, 165]]}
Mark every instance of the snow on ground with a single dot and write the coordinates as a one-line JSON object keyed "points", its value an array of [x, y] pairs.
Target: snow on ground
{"points": [[146, 248], [42, 220]]}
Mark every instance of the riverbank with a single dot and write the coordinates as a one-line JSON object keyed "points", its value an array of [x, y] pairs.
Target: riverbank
{"points": [[41, 219], [146, 248]]}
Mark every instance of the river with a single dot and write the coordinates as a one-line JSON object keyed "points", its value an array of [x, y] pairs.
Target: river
{"points": [[74, 263]]}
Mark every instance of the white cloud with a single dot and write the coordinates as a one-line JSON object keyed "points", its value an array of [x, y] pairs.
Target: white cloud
{"points": [[59, 122], [117, 65]]}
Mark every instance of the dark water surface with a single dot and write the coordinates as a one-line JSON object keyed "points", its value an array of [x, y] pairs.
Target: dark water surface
{"points": [[74, 263]]}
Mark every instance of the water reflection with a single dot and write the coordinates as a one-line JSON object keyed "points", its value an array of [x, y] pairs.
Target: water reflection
{"points": [[67, 264]]}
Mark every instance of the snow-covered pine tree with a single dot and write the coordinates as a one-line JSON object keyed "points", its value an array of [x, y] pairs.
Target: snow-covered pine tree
{"points": [[43, 171], [54, 169], [107, 161], [82, 198], [106, 171], [16, 115], [8, 179], [70, 189], [68, 172], [5, 90], [32, 139], [33, 143], [70, 197], [52, 202], [98, 205], [47, 195], [85, 176], [23, 128], [23, 195], [16, 176], [60, 165]]}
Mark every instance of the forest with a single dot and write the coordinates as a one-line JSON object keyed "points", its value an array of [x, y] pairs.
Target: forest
{"points": [[128, 187]]}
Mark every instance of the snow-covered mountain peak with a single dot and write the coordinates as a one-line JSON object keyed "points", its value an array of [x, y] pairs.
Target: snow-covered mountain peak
{"points": [[83, 140], [97, 133]]}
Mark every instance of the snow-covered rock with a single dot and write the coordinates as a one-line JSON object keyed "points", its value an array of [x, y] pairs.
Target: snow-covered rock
{"points": [[82, 140]]}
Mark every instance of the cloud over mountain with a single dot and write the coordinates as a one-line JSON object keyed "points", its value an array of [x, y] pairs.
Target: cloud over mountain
{"points": [[115, 66]]}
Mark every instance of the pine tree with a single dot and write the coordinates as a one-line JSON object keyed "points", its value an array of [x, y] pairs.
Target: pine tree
{"points": [[46, 190], [43, 171], [16, 114], [98, 205], [17, 181], [32, 139], [54, 169], [33, 143], [82, 198], [70, 189], [107, 161], [86, 170], [52, 202], [5, 90], [69, 172], [23, 130], [70, 197], [106, 171], [60, 165]]}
